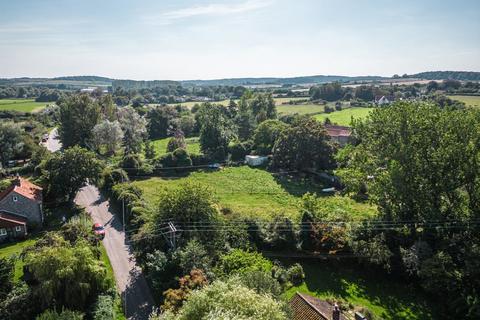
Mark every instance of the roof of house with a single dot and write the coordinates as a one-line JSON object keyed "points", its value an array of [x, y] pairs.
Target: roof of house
{"points": [[338, 131], [25, 188], [306, 307], [8, 220]]}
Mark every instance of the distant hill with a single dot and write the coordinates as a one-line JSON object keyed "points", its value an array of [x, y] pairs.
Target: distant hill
{"points": [[78, 82], [134, 84], [443, 75], [84, 78], [279, 81]]}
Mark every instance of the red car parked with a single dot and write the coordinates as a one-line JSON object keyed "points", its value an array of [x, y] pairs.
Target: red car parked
{"points": [[99, 230]]}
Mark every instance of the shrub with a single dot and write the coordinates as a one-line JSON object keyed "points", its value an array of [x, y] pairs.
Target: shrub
{"points": [[295, 274], [64, 315], [240, 261], [238, 151], [104, 308]]}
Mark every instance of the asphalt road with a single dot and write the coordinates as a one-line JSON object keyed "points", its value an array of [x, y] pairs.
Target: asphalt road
{"points": [[131, 283], [128, 275]]}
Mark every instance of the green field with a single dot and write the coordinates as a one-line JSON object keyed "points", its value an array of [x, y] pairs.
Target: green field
{"points": [[385, 297], [470, 101], [193, 146], [253, 192], [21, 105], [189, 104], [344, 117], [300, 108], [14, 249]]}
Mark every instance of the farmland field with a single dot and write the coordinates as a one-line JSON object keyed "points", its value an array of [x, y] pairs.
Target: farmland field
{"points": [[193, 146], [344, 117], [253, 192], [470, 101], [384, 296], [300, 108], [21, 105]]}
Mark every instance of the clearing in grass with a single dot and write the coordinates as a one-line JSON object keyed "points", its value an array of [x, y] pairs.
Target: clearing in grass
{"points": [[21, 105], [344, 117], [254, 192], [470, 101], [385, 297]]}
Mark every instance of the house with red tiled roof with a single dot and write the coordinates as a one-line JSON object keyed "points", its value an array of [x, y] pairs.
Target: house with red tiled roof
{"points": [[339, 134], [306, 307], [20, 207]]}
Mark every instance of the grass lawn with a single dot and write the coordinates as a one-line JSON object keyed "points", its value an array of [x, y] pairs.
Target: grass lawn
{"points": [[9, 249], [118, 301], [22, 105], [300, 108], [344, 117], [385, 297], [252, 192], [193, 146], [470, 101]]}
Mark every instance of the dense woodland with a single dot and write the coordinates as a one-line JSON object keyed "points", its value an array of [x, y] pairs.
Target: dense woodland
{"points": [[415, 161]]}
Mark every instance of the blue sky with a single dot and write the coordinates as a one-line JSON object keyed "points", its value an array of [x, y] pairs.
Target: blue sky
{"points": [[186, 39]]}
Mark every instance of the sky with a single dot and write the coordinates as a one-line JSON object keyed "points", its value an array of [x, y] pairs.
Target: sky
{"points": [[210, 39]]}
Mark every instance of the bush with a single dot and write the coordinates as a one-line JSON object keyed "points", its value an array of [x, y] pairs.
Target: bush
{"points": [[295, 274], [240, 261], [199, 159], [104, 308], [112, 177], [64, 315], [238, 150]]}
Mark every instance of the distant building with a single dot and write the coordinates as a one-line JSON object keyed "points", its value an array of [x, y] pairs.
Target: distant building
{"points": [[339, 134], [382, 100], [20, 207], [306, 307]]}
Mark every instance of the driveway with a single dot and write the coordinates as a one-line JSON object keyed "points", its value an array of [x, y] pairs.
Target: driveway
{"points": [[131, 283], [53, 143]]}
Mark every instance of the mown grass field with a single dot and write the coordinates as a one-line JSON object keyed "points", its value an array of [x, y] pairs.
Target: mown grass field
{"points": [[14, 249], [470, 101], [300, 108], [21, 105], [344, 117], [193, 146], [253, 192], [385, 297]]}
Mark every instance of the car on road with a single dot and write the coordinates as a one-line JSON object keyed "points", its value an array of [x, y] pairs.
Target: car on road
{"points": [[99, 230]]}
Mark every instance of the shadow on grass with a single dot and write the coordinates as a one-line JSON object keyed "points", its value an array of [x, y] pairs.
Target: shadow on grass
{"points": [[400, 300], [297, 186]]}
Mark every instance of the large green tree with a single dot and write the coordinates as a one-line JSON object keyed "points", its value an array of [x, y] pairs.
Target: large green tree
{"points": [[266, 135], [304, 146], [66, 275], [216, 131], [229, 300], [78, 115], [65, 173], [11, 141], [421, 165]]}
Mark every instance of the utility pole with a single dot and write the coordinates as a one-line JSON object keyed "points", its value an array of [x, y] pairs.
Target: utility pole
{"points": [[125, 235], [173, 231]]}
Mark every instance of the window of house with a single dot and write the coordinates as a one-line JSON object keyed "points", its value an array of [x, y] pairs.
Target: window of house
{"points": [[18, 228], [3, 232], [15, 199]]}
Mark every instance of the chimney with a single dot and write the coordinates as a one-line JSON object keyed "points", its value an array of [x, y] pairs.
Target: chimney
{"points": [[336, 312], [16, 181]]}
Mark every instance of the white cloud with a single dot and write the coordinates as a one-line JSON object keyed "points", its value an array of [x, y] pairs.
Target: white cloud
{"points": [[212, 9]]}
